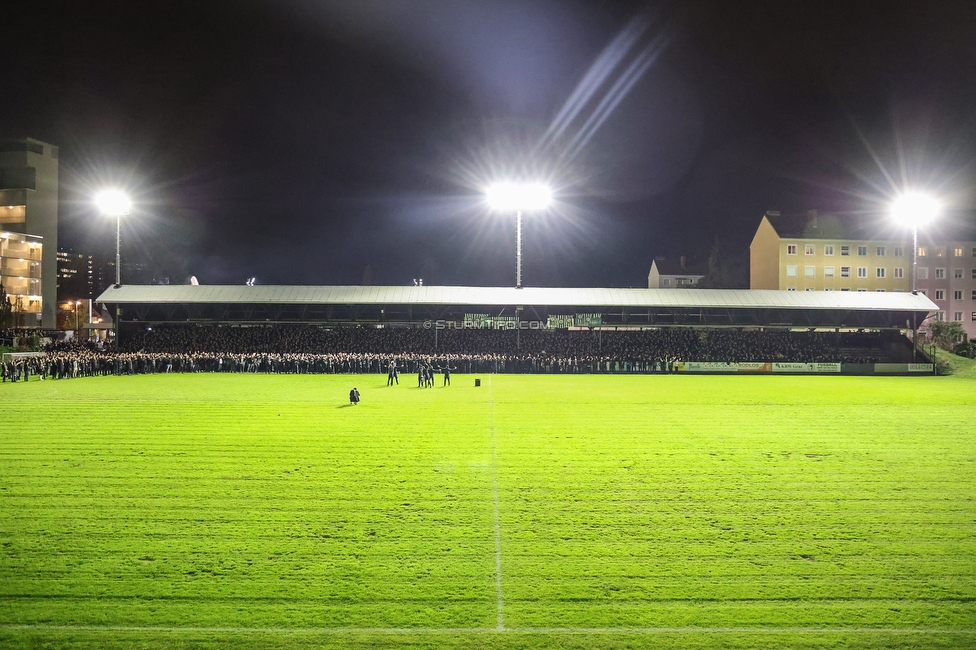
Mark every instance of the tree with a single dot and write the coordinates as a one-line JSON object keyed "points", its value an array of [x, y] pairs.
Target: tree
{"points": [[6, 309], [946, 334], [725, 272]]}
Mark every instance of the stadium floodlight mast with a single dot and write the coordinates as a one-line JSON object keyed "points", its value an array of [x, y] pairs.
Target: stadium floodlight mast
{"points": [[914, 209], [520, 197], [115, 203]]}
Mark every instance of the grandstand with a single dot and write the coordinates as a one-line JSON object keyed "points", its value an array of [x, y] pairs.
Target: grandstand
{"points": [[522, 330]]}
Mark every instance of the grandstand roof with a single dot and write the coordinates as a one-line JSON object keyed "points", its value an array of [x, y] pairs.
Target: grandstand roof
{"points": [[508, 296]]}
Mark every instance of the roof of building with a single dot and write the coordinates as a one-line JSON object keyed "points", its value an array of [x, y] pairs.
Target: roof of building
{"points": [[671, 266], [813, 225], [508, 296]]}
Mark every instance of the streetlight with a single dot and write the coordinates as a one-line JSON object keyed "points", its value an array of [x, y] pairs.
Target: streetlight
{"points": [[518, 197], [115, 203], [914, 209]]}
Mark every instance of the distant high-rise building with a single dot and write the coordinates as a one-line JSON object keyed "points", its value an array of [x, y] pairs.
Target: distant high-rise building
{"points": [[29, 206], [76, 275]]}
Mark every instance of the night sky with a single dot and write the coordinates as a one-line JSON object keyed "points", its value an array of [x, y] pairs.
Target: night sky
{"points": [[317, 142]]}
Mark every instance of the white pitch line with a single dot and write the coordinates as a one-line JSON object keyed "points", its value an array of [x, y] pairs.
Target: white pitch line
{"points": [[498, 527], [491, 630]]}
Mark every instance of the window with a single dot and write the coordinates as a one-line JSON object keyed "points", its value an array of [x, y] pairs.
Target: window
{"points": [[880, 290], [957, 294], [957, 316], [940, 251], [879, 272], [666, 282], [862, 271], [845, 251], [828, 249], [957, 252], [862, 251], [809, 249], [899, 272], [809, 289], [940, 274], [940, 294], [921, 251], [974, 252], [880, 251], [974, 294], [845, 271], [791, 271], [828, 288], [957, 274], [974, 316], [974, 274], [861, 289], [791, 249], [809, 271], [899, 251], [923, 273], [845, 288], [922, 292], [828, 271], [940, 315], [791, 288]]}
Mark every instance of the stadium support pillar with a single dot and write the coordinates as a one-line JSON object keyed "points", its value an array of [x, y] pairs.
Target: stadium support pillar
{"points": [[518, 249]]}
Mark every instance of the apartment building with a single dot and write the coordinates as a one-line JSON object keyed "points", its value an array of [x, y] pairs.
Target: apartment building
{"points": [[947, 275]]}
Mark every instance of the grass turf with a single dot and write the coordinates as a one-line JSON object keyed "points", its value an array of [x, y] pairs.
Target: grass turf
{"points": [[674, 511]]}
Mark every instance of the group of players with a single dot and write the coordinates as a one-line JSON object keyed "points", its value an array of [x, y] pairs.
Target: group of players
{"points": [[425, 374]]}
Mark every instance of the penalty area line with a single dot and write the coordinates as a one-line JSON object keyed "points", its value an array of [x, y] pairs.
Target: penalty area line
{"points": [[493, 630]]}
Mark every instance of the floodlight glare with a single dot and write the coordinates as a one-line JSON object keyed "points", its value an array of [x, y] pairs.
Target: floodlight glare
{"points": [[519, 196], [114, 203], [914, 209]]}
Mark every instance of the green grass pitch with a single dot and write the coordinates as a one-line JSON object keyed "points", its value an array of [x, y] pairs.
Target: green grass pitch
{"points": [[535, 511]]}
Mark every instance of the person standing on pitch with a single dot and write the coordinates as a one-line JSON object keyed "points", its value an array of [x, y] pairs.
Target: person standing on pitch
{"points": [[447, 375], [391, 371], [354, 396]]}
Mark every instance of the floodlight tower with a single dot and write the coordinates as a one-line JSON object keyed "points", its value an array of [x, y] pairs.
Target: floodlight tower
{"points": [[914, 209], [519, 197], [115, 203]]}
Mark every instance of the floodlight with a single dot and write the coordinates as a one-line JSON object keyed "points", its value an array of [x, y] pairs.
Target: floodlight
{"points": [[519, 196], [114, 203], [914, 209]]}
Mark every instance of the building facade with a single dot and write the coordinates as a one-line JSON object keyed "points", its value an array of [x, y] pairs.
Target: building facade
{"points": [[815, 253], [947, 275], [29, 200], [76, 276], [21, 275], [790, 255]]}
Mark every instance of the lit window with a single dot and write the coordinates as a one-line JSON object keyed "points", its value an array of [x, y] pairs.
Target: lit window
{"points": [[899, 272], [828, 271], [809, 249], [940, 274], [829, 249], [921, 251], [845, 251], [899, 251], [957, 294], [923, 273], [862, 271], [880, 251], [940, 294], [809, 271], [791, 271], [957, 274], [880, 272], [791, 249], [862, 251], [957, 252], [845, 271]]}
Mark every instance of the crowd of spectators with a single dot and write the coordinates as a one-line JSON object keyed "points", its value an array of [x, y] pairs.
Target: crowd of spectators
{"points": [[318, 349]]}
